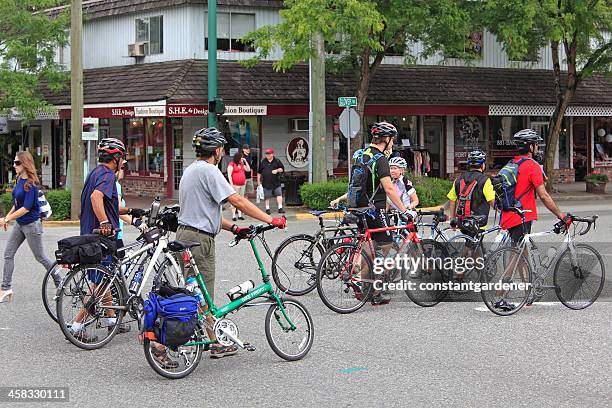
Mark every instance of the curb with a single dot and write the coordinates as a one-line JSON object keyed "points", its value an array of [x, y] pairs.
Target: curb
{"points": [[581, 197], [334, 215], [67, 223]]}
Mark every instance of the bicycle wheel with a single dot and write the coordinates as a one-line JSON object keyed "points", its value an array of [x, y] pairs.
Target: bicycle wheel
{"points": [[579, 280], [166, 272], [180, 361], [289, 344], [471, 254], [51, 283], [294, 265], [505, 270], [87, 296], [344, 278], [426, 276]]}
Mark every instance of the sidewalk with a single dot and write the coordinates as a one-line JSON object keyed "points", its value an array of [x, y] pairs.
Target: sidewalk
{"points": [[577, 192]]}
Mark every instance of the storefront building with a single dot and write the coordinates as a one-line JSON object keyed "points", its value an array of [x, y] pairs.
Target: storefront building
{"points": [[441, 113]]}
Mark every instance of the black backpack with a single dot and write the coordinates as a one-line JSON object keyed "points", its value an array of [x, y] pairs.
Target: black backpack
{"points": [[361, 174]]}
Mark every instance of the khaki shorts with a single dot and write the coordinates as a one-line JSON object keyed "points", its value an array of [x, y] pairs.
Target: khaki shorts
{"points": [[204, 255], [240, 189]]}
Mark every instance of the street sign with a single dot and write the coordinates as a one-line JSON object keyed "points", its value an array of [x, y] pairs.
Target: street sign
{"points": [[349, 123], [347, 101]]}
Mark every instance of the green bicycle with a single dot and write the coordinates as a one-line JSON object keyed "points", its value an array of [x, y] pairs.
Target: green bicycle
{"points": [[288, 325]]}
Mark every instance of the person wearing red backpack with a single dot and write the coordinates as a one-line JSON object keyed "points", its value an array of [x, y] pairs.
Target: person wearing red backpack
{"points": [[472, 196], [529, 181]]}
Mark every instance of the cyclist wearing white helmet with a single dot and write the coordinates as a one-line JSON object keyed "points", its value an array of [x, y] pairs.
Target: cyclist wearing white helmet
{"points": [[397, 167]]}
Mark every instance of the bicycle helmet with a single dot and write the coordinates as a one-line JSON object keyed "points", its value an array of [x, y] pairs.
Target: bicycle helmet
{"points": [[476, 157], [207, 140], [110, 148], [527, 137], [398, 162], [383, 129]]}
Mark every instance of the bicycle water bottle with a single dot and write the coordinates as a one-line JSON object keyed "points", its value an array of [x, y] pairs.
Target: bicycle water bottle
{"points": [[238, 291], [135, 283], [192, 285]]}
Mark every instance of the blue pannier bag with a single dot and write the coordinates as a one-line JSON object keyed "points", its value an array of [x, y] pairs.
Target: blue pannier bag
{"points": [[173, 319]]}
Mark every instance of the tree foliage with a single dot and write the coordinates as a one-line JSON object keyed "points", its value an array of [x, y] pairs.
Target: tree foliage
{"points": [[28, 42], [360, 33], [579, 34]]}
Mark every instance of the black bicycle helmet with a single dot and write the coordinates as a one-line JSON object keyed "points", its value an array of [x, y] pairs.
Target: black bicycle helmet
{"points": [[208, 140], [476, 157], [383, 129], [527, 137], [109, 148]]}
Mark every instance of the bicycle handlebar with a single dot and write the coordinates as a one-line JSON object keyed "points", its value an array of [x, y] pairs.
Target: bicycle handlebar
{"points": [[253, 231], [562, 226]]}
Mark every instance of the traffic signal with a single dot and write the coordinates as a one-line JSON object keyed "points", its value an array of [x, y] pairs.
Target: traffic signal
{"points": [[217, 106]]}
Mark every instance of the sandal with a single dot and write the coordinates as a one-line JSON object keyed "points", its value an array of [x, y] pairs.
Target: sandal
{"points": [[218, 351], [162, 358]]}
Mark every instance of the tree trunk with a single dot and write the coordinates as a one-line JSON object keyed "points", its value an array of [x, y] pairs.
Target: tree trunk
{"points": [[319, 131], [365, 75]]}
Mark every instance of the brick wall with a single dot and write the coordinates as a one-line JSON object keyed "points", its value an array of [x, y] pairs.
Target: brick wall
{"points": [[564, 176], [144, 187]]}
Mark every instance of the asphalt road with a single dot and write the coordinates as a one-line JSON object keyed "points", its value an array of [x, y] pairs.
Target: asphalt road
{"points": [[455, 354]]}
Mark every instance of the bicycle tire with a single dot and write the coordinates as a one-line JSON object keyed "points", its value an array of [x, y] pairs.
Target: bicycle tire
{"points": [[427, 298], [49, 290], [180, 356], [163, 274], [559, 281], [274, 318], [347, 251], [117, 292], [310, 281], [489, 276]]}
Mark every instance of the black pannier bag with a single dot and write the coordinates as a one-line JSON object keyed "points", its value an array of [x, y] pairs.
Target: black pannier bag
{"points": [[84, 249]]}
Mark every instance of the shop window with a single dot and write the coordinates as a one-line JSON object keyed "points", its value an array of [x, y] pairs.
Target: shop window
{"points": [[231, 28], [469, 134], [150, 30], [238, 131], [603, 142], [501, 145], [340, 154], [145, 146]]}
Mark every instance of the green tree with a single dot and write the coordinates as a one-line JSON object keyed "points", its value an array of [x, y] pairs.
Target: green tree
{"points": [[581, 29], [360, 33], [28, 42]]}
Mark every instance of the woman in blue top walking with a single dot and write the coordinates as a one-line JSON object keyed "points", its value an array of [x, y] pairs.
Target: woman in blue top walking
{"points": [[28, 227]]}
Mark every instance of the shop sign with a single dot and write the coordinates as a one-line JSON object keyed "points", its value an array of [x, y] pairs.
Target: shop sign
{"points": [[90, 128], [244, 110], [149, 111], [187, 110], [297, 152]]}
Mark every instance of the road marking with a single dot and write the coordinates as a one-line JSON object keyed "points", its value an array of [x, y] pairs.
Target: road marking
{"points": [[353, 370], [5, 328]]}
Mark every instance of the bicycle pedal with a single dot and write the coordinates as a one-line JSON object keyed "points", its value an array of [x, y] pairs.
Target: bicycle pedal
{"points": [[249, 347]]}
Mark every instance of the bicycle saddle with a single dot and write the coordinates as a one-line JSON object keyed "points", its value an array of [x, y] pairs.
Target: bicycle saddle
{"points": [[318, 213], [177, 246]]}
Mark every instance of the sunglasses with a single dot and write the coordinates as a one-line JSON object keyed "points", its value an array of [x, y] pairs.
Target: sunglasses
{"points": [[17, 162]]}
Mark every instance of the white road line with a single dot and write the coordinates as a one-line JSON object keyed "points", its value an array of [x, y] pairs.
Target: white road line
{"points": [[485, 309]]}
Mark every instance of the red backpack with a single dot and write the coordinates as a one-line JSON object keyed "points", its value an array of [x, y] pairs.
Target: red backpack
{"points": [[464, 204]]}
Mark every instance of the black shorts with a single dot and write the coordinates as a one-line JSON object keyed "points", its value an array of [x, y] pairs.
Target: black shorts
{"points": [[518, 232], [380, 219]]}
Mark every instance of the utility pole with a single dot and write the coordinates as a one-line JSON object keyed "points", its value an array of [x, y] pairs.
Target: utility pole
{"points": [[317, 77], [212, 61], [76, 105]]}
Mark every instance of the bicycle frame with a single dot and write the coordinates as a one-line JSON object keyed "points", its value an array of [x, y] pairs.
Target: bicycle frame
{"points": [[222, 311]]}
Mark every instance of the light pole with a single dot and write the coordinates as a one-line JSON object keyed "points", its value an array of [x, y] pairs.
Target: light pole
{"points": [[212, 61]]}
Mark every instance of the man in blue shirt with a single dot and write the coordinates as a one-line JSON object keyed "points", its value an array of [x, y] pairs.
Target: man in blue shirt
{"points": [[100, 210]]}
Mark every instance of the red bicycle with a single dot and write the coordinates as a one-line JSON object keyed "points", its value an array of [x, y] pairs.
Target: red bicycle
{"points": [[347, 275]]}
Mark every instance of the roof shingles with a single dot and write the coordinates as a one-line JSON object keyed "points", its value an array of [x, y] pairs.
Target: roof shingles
{"points": [[186, 82]]}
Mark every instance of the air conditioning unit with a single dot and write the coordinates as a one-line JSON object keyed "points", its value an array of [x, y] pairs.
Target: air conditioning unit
{"points": [[137, 49], [299, 125]]}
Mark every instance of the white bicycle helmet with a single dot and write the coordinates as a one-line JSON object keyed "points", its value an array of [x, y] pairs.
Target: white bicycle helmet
{"points": [[398, 162]]}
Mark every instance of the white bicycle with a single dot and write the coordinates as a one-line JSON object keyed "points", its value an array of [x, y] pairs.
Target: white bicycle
{"points": [[522, 274]]}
